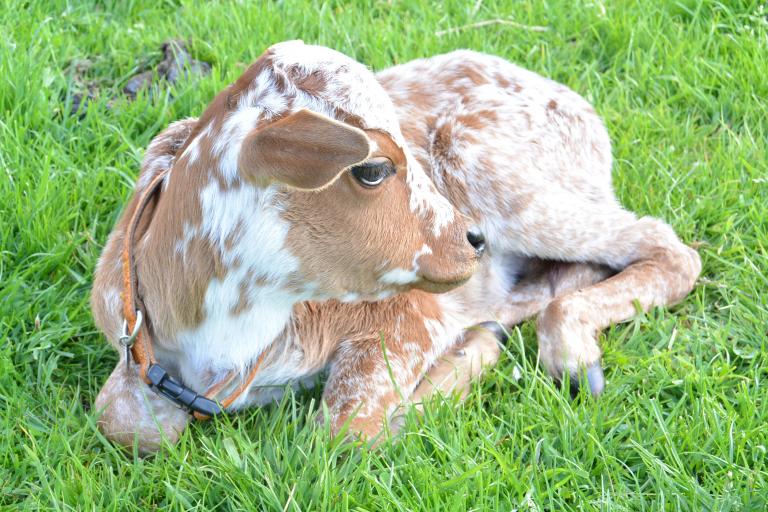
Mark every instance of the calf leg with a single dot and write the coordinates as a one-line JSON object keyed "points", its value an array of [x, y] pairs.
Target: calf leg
{"points": [[479, 349], [130, 411], [369, 391], [545, 281], [365, 386], [372, 374], [464, 363], [655, 269]]}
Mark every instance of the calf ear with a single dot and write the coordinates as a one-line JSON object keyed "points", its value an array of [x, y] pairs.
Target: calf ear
{"points": [[305, 150]]}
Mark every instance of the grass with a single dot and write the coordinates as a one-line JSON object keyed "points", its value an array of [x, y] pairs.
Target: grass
{"points": [[683, 424]]}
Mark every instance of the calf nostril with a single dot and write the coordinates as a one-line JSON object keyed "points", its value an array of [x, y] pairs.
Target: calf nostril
{"points": [[476, 239]]}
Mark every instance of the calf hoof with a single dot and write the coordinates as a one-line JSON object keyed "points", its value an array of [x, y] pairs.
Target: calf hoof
{"points": [[592, 376]]}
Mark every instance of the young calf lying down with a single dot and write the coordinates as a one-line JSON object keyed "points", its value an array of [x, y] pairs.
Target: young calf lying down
{"points": [[319, 218]]}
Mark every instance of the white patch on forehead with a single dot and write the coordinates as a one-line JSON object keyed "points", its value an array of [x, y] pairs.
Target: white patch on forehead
{"points": [[265, 95], [260, 102], [348, 85]]}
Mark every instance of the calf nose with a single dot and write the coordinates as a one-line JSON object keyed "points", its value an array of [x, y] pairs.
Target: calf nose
{"points": [[476, 239]]}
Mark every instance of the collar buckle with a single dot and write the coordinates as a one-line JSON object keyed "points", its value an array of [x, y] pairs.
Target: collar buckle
{"points": [[178, 393]]}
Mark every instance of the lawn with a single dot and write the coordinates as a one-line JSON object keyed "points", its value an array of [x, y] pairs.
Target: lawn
{"points": [[683, 424]]}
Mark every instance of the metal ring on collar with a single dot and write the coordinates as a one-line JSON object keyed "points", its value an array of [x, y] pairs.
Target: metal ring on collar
{"points": [[126, 339]]}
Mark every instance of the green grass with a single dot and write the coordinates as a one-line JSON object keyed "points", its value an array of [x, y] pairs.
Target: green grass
{"points": [[683, 424]]}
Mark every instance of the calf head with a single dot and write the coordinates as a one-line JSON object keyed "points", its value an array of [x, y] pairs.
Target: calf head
{"points": [[316, 135]]}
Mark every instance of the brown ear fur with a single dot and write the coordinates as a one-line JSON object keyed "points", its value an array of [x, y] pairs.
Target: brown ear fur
{"points": [[305, 150]]}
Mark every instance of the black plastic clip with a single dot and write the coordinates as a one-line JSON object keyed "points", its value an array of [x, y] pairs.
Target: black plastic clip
{"points": [[180, 394]]}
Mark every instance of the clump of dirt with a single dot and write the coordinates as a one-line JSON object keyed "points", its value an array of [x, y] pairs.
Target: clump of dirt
{"points": [[177, 64], [85, 90]]}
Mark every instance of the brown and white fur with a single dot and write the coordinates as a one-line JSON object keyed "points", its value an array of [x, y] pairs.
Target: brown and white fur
{"points": [[262, 240]]}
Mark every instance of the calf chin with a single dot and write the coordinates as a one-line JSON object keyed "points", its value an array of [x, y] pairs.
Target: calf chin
{"points": [[439, 286]]}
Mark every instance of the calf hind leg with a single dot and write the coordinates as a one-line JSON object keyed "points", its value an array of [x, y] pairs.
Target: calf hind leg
{"points": [[544, 281], [654, 268]]}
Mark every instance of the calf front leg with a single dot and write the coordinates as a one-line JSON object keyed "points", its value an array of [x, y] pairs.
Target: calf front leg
{"points": [[373, 374], [367, 389], [368, 381], [129, 411], [463, 364]]}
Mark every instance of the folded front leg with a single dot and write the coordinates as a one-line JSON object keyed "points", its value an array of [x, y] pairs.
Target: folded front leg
{"points": [[373, 373], [130, 411], [464, 363], [368, 381]]}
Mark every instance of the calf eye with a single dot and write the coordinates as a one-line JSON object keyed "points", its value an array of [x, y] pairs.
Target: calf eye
{"points": [[373, 172]]}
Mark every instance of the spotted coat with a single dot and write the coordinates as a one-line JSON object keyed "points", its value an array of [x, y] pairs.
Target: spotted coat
{"points": [[256, 248]]}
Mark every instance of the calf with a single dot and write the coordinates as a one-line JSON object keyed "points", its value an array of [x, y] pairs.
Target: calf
{"points": [[318, 219]]}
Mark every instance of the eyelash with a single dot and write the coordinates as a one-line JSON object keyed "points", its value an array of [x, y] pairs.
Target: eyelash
{"points": [[371, 174]]}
